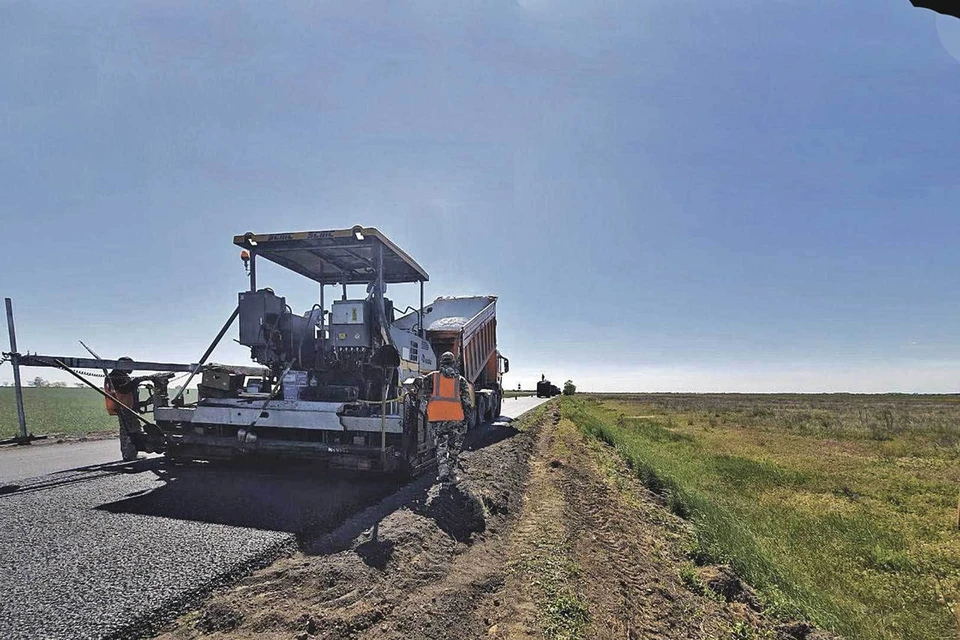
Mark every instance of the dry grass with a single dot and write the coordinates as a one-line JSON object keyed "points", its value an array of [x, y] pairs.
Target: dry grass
{"points": [[840, 508]]}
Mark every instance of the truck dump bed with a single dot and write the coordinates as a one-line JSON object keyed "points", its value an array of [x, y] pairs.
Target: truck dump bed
{"points": [[467, 326]]}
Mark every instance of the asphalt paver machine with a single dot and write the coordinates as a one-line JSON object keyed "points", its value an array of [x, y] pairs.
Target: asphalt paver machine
{"points": [[334, 383], [338, 386]]}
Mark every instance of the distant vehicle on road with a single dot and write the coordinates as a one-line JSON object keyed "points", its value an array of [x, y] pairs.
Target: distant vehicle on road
{"points": [[545, 389]]}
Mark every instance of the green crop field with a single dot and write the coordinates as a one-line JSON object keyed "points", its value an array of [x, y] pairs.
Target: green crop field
{"points": [[838, 508], [55, 411]]}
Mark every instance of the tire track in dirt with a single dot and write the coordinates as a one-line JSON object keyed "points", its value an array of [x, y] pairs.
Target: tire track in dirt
{"points": [[629, 567]]}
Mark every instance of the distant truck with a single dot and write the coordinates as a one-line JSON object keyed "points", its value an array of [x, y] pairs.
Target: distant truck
{"points": [[545, 389]]}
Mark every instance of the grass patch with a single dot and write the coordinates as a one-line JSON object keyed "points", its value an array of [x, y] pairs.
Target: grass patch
{"points": [[691, 579], [839, 510], [563, 614], [566, 617]]}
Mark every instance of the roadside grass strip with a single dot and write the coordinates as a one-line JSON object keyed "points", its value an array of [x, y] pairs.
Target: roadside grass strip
{"points": [[829, 524]]}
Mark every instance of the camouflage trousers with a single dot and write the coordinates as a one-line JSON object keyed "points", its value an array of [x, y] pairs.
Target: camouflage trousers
{"points": [[449, 440], [128, 423], [129, 426]]}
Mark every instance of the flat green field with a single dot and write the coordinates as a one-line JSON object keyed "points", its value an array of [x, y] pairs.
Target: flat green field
{"points": [[53, 411], [518, 394], [839, 508]]}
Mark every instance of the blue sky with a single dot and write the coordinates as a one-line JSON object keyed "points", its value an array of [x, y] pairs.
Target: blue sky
{"points": [[685, 195]]}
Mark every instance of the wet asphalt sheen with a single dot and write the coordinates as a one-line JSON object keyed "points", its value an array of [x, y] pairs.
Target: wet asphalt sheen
{"points": [[106, 548]]}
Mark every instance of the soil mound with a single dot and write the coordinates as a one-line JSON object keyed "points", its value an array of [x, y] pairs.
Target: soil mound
{"points": [[722, 579], [456, 510]]}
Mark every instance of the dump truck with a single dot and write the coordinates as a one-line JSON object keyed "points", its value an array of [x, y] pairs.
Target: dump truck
{"points": [[467, 327], [336, 383]]}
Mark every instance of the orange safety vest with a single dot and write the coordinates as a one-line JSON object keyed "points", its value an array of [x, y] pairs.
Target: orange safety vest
{"points": [[112, 407], [444, 404]]}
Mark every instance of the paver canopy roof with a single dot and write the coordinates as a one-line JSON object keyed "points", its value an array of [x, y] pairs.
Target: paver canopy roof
{"points": [[332, 257]]}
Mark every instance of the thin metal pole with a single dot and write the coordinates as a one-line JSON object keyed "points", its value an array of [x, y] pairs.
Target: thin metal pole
{"points": [[322, 314], [206, 354], [15, 361], [253, 270], [383, 423], [379, 258], [344, 289], [422, 330]]}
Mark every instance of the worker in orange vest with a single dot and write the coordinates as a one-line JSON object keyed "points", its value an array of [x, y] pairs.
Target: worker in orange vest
{"points": [[125, 388], [448, 405]]}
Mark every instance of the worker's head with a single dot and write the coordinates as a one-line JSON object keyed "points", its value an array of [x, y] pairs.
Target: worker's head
{"points": [[448, 360], [125, 363]]}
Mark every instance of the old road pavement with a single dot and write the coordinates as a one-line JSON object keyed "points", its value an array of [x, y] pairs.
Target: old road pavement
{"points": [[91, 547]]}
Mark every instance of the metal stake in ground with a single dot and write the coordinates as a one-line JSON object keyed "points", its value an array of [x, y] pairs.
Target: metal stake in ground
{"points": [[15, 361]]}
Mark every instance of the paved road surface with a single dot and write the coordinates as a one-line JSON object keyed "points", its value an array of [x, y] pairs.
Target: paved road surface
{"points": [[17, 463], [99, 547]]}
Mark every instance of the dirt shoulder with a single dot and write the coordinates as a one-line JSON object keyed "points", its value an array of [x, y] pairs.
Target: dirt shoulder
{"points": [[550, 537], [596, 555]]}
